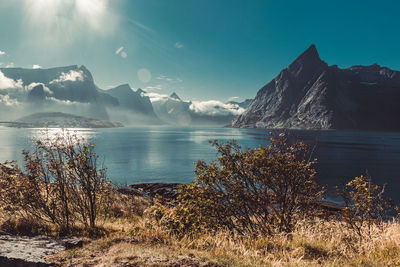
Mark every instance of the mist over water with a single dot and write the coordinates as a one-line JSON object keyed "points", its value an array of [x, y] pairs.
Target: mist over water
{"points": [[167, 154]]}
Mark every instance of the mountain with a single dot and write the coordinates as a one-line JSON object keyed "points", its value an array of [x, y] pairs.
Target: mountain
{"points": [[175, 96], [309, 94], [68, 88], [135, 103], [172, 110], [59, 119]]}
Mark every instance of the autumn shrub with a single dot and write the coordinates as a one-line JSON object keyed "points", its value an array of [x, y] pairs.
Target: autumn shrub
{"points": [[263, 190], [27, 226], [365, 206], [63, 182]]}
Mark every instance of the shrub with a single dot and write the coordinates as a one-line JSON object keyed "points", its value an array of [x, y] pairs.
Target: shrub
{"points": [[63, 182], [365, 205], [262, 190]]}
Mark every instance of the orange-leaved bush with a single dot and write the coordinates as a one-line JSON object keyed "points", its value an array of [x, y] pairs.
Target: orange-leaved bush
{"points": [[262, 190]]}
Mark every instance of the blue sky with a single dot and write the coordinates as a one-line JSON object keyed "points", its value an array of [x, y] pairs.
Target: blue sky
{"points": [[202, 49]]}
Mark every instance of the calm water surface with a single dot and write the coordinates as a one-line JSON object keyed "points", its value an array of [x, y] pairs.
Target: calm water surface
{"points": [[155, 154]]}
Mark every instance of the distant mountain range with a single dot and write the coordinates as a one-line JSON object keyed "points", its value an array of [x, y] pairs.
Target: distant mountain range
{"points": [[309, 94], [72, 90], [173, 110]]}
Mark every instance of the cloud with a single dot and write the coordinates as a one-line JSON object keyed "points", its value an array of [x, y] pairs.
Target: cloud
{"points": [[2, 53], [169, 79], [8, 83], [155, 97], [215, 108], [72, 76], [153, 87], [66, 102], [233, 98], [35, 66], [178, 45], [8, 101], [45, 88], [10, 65]]}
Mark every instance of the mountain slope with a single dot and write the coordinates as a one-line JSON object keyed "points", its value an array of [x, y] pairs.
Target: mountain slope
{"points": [[66, 87], [134, 102], [309, 94]]}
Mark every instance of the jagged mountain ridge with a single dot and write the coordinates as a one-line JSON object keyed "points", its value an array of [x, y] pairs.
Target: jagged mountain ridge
{"points": [[173, 110], [70, 83], [72, 90], [132, 101], [309, 94]]}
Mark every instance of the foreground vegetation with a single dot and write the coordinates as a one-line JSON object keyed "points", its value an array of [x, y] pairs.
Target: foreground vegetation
{"points": [[251, 207]]}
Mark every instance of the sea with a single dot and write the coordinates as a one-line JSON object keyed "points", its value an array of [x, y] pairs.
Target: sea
{"points": [[168, 154]]}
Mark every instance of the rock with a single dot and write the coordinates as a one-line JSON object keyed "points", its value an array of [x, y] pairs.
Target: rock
{"points": [[37, 94], [165, 190], [72, 242], [309, 94], [32, 251]]}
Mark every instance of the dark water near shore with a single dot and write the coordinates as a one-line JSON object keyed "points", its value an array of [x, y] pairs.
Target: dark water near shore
{"points": [[167, 154]]}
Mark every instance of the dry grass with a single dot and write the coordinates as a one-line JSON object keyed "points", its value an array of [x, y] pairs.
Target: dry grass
{"points": [[131, 239], [135, 241]]}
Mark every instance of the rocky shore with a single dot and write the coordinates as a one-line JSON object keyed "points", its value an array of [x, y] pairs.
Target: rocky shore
{"points": [[150, 190], [169, 191], [32, 251]]}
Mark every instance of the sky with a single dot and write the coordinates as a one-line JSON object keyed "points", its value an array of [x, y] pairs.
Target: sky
{"points": [[200, 49]]}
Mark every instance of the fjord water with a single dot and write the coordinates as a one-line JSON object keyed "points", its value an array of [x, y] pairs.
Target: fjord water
{"points": [[167, 154]]}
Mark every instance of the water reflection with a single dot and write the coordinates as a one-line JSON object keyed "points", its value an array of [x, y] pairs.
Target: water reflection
{"points": [[149, 154]]}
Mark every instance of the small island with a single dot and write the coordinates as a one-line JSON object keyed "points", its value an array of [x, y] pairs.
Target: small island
{"points": [[59, 119]]}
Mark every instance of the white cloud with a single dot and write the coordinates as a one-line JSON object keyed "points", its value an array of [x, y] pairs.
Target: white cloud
{"points": [[153, 87], [233, 98], [35, 66], [72, 76], [169, 79], [2, 53], [8, 83], [215, 107], [155, 97], [65, 102], [7, 101], [45, 88], [10, 65], [178, 45]]}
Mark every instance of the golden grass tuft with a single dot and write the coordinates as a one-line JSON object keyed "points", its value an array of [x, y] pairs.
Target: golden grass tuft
{"points": [[139, 242], [130, 238]]}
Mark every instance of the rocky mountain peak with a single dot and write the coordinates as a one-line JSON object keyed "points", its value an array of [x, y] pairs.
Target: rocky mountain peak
{"points": [[123, 88], [311, 95], [175, 96], [140, 91], [37, 93], [309, 61]]}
